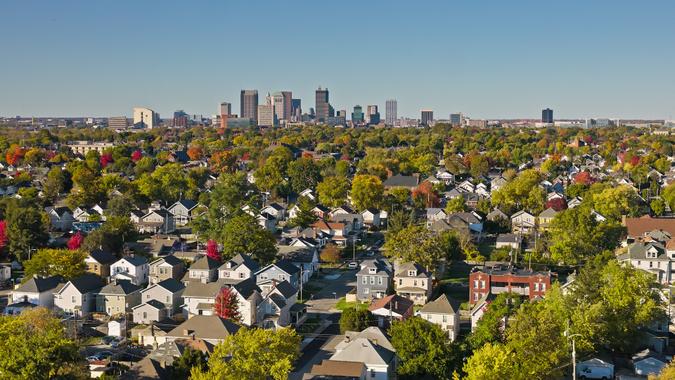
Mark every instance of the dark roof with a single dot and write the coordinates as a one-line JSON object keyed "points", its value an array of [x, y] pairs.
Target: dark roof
{"points": [[287, 266], [187, 203], [171, 260], [401, 181], [40, 284], [278, 300], [246, 260], [205, 263], [87, 282], [102, 257], [286, 289], [120, 287], [135, 260], [154, 303], [246, 287], [61, 210], [172, 285]]}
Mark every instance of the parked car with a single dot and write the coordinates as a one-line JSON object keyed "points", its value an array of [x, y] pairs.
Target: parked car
{"points": [[353, 265]]}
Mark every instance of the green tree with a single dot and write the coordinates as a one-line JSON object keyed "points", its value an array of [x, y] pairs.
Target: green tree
{"points": [[112, 235], [190, 358], [303, 173], [333, 191], [56, 183], [228, 196], [34, 346], [613, 202], [522, 192], [304, 217], [490, 327], [55, 262], [166, 183], [658, 206], [252, 354], [367, 191], [455, 205], [26, 229], [491, 361], [243, 234], [422, 347], [355, 319], [415, 244]]}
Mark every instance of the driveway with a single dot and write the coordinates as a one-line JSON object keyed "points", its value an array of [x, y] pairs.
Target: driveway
{"points": [[319, 349], [331, 288]]}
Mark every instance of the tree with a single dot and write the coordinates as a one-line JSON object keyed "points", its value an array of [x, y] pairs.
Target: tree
{"points": [[56, 183], [26, 229], [195, 152], [522, 192], [425, 195], [422, 347], [330, 254], [3, 234], [355, 319], [303, 173], [212, 250], [223, 162], [491, 361], [367, 191], [66, 263], [490, 327], [584, 178], [136, 155], [75, 241], [14, 154], [614, 202], [667, 373], [658, 206], [227, 197], [34, 346], [305, 215], [243, 234], [252, 354], [332, 191], [190, 358], [106, 159], [226, 305], [166, 183], [112, 235], [415, 244], [455, 205]]}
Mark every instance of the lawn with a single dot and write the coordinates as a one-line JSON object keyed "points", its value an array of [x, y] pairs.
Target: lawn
{"points": [[342, 304], [456, 273]]}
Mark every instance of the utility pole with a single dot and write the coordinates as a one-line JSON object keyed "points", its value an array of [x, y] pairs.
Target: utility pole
{"points": [[301, 267], [574, 352]]}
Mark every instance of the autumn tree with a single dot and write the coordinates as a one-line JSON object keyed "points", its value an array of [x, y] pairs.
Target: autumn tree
{"points": [[75, 241], [330, 254], [223, 161], [212, 250], [332, 191], [226, 305], [425, 195], [367, 191], [55, 262], [195, 152], [14, 154], [136, 155], [3, 234]]}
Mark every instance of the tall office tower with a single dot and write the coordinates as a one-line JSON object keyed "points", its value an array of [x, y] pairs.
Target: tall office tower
{"points": [[225, 109], [282, 105], [145, 118], [180, 119], [427, 117], [390, 112], [357, 114], [288, 105], [372, 115], [249, 104], [547, 116], [296, 109], [117, 122], [322, 107], [266, 116], [456, 119]]}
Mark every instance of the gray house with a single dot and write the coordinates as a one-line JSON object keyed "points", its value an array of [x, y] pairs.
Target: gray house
{"points": [[165, 268], [151, 311], [78, 296], [373, 280], [118, 297], [282, 270], [169, 292]]}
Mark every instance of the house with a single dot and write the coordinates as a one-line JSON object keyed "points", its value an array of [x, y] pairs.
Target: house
{"points": [[501, 279], [308, 193], [169, 292], [391, 307], [147, 368], [282, 270], [149, 312], [409, 182], [166, 267], [133, 268], [468, 223], [648, 362], [157, 221], [479, 308], [320, 211], [274, 209], [200, 297], [98, 262], [267, 221], [466, 187], [341, 210], [497, 183], [652, 257], [639, 226], [204, 270], [5, 272], [78, 296], [118, 297], [337, 369], [356, 220], [371, 347], [210, 328], [522, 222], [496, 215], [306, 259], [574, 202], [444, 313], [373, 279], [511, 241], [446, 177], [339, 232], [434, 214], [274, 309], [61, 218], [371, 217], [546, 217], [413, 282], [183, 211], [38, 291], [249, 297], [238, 268], [83, 214]]}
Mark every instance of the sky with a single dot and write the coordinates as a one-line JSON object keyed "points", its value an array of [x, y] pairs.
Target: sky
{"points": [[487, 59]]}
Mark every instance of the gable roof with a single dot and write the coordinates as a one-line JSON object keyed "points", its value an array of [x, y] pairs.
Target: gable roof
{"points": [[401, 181], [440, 305], [338, 369], [242, 259], [373, 333], [169, 259], [154, 303], [205, 263], [171, 284], [134, 260], [87, 283], [102, 257], [286, 289], [119, 287], [246, 287], [201, 290], [640, 226], [362, 350], [400, 304], [40, 284], [187, 203], [205, 327], [548, 213], [284, 265]]}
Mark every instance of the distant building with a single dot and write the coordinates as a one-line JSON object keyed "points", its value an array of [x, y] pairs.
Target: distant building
{"points": [[547, 116], [427, 117], [456, 119], [478, 123], [117, 122], [225, 109], [322, 105], [390, 115], [145, 118], [84, 147], [282, 105], [180, 119], [249, 104], [373, 115], [266, 115], [357, 115], [296, 109]]}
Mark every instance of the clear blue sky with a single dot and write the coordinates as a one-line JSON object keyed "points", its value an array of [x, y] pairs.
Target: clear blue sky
{"points": [[485, 58]]}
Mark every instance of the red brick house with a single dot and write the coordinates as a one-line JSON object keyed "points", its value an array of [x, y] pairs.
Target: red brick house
{"points": [[502, 279]]}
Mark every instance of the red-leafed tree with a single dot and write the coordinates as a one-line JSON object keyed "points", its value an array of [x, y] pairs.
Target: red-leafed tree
{"points": [[3, 234], [557, 204], [106, 159], [426, 194], [136, 155], [212, 250], [584, 178], [195, 152], [14, 154], [75, 241], [226, 305]]}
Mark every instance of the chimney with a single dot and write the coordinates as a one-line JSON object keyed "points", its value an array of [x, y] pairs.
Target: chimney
{"points": [[187, 332]]}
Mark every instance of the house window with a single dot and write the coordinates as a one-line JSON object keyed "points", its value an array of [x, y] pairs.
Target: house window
{"points": [[226, 274], [263, 276], [364, 279], [475, 296], [168, 299], [543, 287], [366, 290], [281, 277], [536, 286], [145, 314], [423, 284], [651, 264], [445, 318], [482, 284], [372, 270], [475, 284], [241, 275], [415, 283], [379, 280], [72, 299], [411, 273], [372, 280], [400, 281]]}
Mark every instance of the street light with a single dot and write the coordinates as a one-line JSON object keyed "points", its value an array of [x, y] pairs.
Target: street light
{"points": [[574, 353]]}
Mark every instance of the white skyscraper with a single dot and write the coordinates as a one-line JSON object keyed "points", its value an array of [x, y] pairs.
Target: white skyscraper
{"points": [[390, 112], [145, 117]]}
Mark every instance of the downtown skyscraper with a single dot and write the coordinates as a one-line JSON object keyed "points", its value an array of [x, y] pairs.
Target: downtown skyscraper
{"points": [[249, 104], [322, 106], [390, 109]]}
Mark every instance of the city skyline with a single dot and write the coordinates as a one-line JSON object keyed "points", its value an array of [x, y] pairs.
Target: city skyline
{"points": [[611, 61]]}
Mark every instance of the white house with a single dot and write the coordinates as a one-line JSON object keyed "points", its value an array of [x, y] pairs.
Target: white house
{"points": [[38, 291], [370, 347], [441, 312], [133, 268], [183, 211], [78, 296]]}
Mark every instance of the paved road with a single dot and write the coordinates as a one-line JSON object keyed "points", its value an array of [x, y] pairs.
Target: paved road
{"points": [[313, 352]]}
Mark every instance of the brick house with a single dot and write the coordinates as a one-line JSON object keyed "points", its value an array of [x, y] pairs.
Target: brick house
{"points": [[502, 279]]}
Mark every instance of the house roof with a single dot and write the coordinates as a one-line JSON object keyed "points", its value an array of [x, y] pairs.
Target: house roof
{"points": [[187, 203], [102, 257], [286, 289], [246, 287], [154, 303], [285, 265], [205, 263], [134, 260], [242, 259], [403, 269], [338, 368], [205, 327], [640, 226], [171, 284], [509, 238], [278, 300], [381, 268], [638, 250], [40, 284], [87, 283], [62, 210], [119, 287], [441, 305], [374, 334], [201, 290], [399, 305], [169, 259], [296, 254], [146, 369], [548, 213], [362, 350], [401, 181]]}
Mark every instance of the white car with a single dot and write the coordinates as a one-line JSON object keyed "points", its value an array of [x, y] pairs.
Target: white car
{"points": [[353, 265]]}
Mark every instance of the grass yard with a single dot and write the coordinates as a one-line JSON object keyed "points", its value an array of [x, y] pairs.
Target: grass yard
{"points": [[342, 304]]}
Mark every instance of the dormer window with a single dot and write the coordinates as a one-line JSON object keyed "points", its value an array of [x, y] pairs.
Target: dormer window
{"points": [[372, 270], [412, 273]]}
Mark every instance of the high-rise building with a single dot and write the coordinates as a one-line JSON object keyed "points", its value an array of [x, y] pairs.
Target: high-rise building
{"points": [[357, 115], [282, 105], [117, 122], [180, 119], [427, 117], [372, 115], [322, 106], [456, 119], [296, 109], [225, 109], [390, 112], [249, 104], [266, 116], [145, 118], [288, 105], [547, 116]]}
